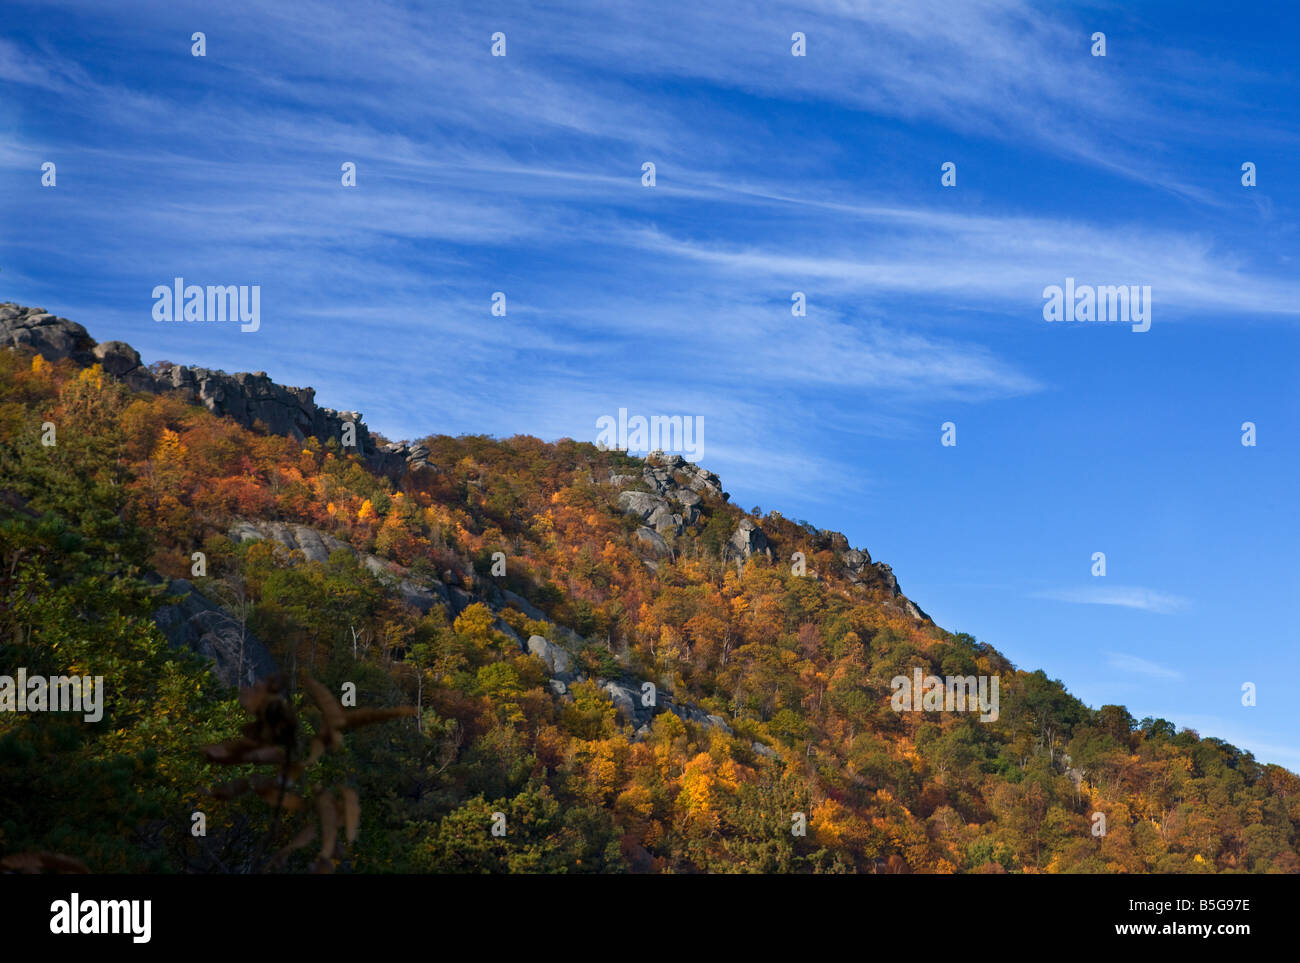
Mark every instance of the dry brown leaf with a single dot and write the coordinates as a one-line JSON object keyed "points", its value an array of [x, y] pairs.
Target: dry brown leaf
{"points": [[351, 813], [317, 749], [329, 706], [269, 789], [254, 699], [235, 751], [264, 755], [229, 752], [305, 836], [42, 862]]}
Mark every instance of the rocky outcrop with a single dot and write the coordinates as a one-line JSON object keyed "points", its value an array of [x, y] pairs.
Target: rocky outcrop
{"points": [[677, 490], [653, 541], [189, 620], [746, 541], [557, 661], [399, 454], [856, 562], [252, 400], [629, 697], [627, 703], [653, 510], [317, 546], [896, 594], [669, 473], [51, 337], [860, 570]]}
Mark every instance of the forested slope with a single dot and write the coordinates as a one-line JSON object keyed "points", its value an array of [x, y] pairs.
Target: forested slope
{"points": [[520, 596]]}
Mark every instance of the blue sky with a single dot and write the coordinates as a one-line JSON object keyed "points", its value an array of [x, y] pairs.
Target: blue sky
{"points": [[775, 174]]}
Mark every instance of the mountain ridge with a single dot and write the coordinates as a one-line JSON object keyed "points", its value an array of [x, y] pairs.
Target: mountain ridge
{"points": [[250, 398], [637, 674]]}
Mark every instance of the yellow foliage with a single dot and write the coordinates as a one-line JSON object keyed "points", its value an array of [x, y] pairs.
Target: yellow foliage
{"points": [[170, 449], [475, 624], [704, 785], [94, 375]]}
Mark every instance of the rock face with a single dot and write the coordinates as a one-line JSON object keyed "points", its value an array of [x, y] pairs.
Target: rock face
{"points": [[653, 541], [677, 490], [747, 540], [315, 546], [651, 509], [629, 702], [856, 561], [556, 659], [396, 455], [318, 546], [37, 329], [197, 624], [245, 398]]}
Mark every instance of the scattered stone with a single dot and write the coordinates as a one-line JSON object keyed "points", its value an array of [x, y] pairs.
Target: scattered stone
{"points": [[558, 662]]}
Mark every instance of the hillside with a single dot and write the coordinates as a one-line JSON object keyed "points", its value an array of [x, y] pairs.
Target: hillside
{"points": [[604, 655]]}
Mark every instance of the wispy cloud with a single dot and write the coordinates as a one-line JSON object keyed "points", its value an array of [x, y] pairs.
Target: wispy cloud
{"points": [[1134, 664], [1143, 599]]}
